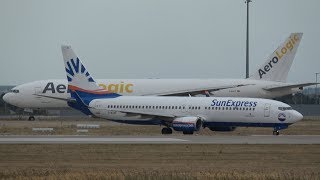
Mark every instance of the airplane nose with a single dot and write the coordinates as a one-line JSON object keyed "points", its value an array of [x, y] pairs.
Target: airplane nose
{"points": [[297, 116], [8, 98]]}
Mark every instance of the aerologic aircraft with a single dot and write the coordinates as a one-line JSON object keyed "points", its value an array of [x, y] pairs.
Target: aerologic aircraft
{"points": [[268, 81], [186, 114]]}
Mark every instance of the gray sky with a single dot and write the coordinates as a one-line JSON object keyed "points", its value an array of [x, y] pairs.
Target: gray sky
{"points": [[153, 38]]}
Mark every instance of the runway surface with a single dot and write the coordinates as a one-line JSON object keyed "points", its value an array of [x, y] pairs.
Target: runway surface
{"points": [[192, 139]]}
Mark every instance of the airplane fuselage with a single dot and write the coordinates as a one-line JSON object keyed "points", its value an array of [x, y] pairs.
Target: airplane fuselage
{"points": [[212, 111], [52, 94]]}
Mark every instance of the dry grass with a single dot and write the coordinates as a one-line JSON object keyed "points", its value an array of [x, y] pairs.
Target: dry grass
{"points": [[112, 161], [68, 127]]}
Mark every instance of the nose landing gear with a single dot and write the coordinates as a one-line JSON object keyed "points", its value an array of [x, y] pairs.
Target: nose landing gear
{"points": [[276, 129], [276, 132]]}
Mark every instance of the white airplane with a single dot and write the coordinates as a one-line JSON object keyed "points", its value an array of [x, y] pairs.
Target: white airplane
{"points": [[269, 81], [186, 114]]}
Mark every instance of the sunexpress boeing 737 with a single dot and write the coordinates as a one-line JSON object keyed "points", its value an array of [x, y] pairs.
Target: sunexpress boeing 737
{"points": [[269, 81], [186, 114]]}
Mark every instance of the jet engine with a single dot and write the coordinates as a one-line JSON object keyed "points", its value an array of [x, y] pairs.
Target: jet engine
{"points": [[187, 124]]}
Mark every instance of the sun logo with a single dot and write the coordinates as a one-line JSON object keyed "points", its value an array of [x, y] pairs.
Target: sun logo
{"points": [[282, 117], [77, 72]]}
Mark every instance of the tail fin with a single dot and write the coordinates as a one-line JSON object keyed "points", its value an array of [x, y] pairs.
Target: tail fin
{"points": [[277, 67], [81, 85], [77, 75]]}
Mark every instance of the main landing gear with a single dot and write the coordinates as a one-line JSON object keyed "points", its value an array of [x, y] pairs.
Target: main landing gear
{"points": [[166, 130], [276, 132], [31, 118]]}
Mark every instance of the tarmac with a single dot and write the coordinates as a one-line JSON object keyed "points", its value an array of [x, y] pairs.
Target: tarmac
{"points": [[187, 139]]}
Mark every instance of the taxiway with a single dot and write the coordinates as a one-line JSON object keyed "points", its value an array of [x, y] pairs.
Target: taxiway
{"points": [[193, 139]]}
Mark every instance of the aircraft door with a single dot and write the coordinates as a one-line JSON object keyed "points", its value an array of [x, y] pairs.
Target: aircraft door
{"points": [[267, 110]]}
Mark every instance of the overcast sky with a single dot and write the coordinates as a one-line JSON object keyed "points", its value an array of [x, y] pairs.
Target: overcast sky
{"points": [[153, 38]]}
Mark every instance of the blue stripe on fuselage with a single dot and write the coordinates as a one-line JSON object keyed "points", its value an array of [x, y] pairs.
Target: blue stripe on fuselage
{"points": [[208, 124]]}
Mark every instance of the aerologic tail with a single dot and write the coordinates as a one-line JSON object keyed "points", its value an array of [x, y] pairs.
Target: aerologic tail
{"points": [[278, 64]]}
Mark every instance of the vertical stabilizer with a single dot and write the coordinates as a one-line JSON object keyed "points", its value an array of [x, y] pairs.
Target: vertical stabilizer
{"points": [[78, 77], [81, 85], [277, 67]]}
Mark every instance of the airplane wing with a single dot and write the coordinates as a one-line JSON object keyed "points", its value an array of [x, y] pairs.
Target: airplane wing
{"points": [[196, 91], [290, 86], [133, 112], [52, 97]]}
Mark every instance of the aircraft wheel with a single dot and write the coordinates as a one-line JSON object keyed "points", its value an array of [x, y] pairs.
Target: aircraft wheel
{"points": [[276, 132], [166, 130], [31, 118]]}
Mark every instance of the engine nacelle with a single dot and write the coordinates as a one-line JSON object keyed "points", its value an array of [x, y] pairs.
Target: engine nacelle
{"points": [[222, 128], [187, 124]]}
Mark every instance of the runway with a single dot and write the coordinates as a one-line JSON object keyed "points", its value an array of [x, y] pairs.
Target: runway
{"points": [[192, 139]]}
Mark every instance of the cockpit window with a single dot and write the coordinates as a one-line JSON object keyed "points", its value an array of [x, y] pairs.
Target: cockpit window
{"points": [[284, 108], [14, 90]]}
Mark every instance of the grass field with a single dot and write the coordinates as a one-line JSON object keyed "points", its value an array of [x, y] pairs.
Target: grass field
{"points": [[69, 127], [159, 161]]}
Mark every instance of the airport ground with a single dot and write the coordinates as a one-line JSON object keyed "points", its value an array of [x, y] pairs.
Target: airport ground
{"points": [[68, 126], [150, 161], [155, 161]]}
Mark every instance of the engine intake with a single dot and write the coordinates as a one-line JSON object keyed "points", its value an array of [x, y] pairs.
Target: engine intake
{"points": [[187, 124]]}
